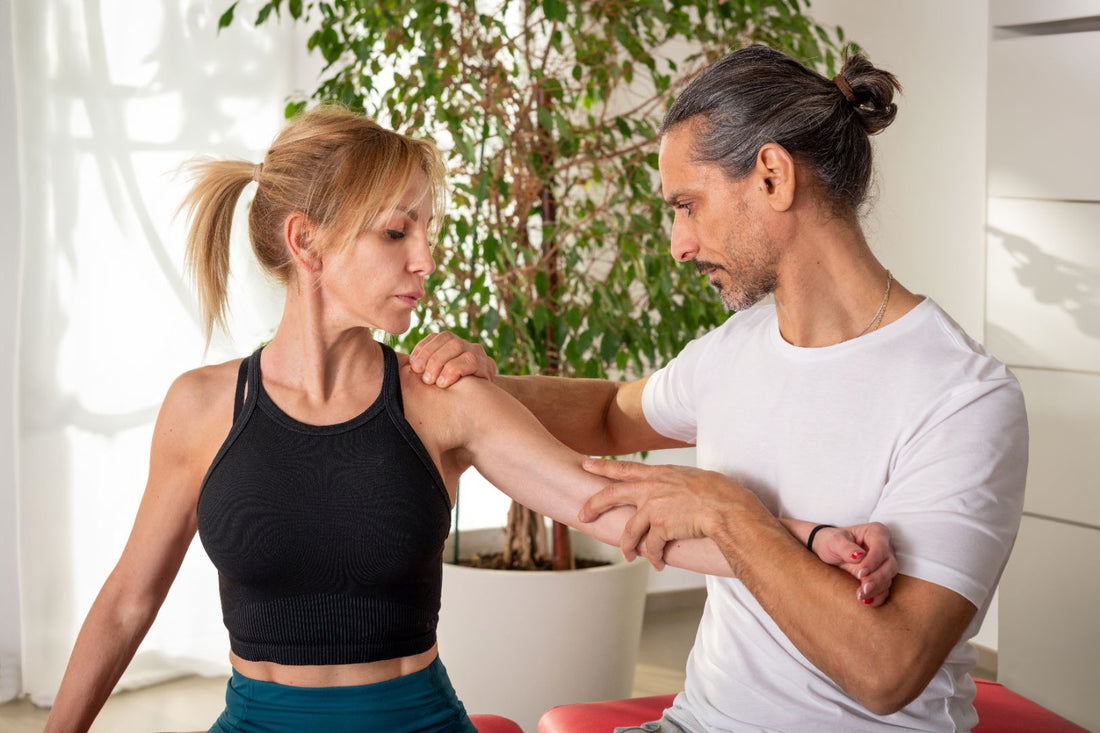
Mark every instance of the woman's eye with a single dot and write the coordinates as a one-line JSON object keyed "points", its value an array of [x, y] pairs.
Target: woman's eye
{"points": [[394, 234], [684, 207]]}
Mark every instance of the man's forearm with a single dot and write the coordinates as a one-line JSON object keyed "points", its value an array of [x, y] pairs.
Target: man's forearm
{"points": [[573, 410], [882, 657], [596, 417]]}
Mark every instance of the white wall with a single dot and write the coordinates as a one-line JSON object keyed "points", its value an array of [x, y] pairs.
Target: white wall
{"points": [[928, 224], [9, 293]]}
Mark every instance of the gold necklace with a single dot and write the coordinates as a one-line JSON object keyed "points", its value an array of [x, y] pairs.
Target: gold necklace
{"points": [[881, 309]]}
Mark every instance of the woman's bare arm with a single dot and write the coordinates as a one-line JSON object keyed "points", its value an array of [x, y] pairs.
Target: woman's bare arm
{"points": [[194, 418]]}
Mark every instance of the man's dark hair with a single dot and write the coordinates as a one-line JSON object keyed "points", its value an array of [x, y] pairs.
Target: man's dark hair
{"points": [[757, 95]]}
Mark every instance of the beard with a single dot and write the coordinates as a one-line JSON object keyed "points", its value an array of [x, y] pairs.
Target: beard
{"points": [[749, 273]]}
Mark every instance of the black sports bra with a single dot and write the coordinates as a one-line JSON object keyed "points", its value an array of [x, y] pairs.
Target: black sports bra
{"points": [[328, 540]]}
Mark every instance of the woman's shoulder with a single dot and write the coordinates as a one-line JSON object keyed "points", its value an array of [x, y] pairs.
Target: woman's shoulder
{"points": [[205, 384], [200, 401], [448, 412]]}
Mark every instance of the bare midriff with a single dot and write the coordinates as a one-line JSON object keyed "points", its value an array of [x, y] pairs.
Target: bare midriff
{"points": [[333, 675]]}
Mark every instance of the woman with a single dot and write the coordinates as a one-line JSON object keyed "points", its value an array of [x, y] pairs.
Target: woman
{"points": [[320, 472]]}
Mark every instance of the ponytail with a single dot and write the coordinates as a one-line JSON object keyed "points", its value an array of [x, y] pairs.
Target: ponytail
{"points": [[210, 204]]}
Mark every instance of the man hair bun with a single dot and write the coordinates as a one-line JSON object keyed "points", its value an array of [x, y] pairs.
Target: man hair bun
{"points": [[874, 91]]}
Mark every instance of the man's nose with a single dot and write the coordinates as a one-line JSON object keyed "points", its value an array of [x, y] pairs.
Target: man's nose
{"points": [[684, 245]]}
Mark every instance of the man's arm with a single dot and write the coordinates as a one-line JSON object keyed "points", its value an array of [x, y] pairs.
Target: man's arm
{"points": [[596, 417], [592, 416], [882, 657]]}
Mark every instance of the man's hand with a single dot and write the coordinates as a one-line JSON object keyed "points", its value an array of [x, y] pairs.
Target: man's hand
{"points": [[681, 502], [671, 502], [443, 359]]}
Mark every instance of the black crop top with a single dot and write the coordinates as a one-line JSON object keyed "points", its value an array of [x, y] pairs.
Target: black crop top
{"points": [[328, 540]]}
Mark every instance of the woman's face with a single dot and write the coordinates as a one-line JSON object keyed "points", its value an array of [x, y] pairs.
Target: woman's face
{"points": [[378, 279]]}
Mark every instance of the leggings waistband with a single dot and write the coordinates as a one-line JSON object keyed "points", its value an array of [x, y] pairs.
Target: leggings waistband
{"points": [[421, 701]]}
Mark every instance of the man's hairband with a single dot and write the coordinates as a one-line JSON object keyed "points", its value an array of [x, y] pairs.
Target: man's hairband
{"points": [[845, 88]]}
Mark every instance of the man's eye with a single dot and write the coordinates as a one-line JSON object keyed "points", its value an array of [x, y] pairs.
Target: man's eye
{"points": [[394, 234], [684, 207]]}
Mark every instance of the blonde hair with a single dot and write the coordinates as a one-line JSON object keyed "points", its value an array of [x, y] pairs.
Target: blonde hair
{"points": [[342, 170]]}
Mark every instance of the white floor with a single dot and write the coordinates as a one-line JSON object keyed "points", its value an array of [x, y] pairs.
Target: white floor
{"points": [[193, 703]]}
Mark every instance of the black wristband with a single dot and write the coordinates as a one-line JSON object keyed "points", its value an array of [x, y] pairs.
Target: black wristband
{"points": [[813, 533]]}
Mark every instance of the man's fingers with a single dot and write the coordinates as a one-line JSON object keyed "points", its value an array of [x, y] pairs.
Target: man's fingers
{"points": [[607, 498], [463, 365], [618, 470], [449, 353], [633, 531], [653, 547], [424, 349]]}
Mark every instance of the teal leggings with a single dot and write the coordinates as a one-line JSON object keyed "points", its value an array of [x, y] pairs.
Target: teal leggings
{"points": [[421, 701]]}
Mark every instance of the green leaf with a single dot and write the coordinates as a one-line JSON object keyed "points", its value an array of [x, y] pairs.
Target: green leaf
{"points": [[227, 17], [265, 11], [546, 120], [540, 317], [293, 109], [609, 346], [555, 10], [490, 320]]}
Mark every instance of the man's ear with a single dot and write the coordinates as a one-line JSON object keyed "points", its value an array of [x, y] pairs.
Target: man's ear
{"points": [[775, 169], [300, 234]]}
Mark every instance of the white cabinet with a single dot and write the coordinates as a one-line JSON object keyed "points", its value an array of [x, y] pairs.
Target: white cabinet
{"points": [[1019, 12], [1043, 318], [1049, 623], [1044, 116], [1043, 260], [1063, 478]]}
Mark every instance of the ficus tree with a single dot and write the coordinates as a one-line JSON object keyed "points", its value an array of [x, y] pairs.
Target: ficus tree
{"points": [[554, 251]]}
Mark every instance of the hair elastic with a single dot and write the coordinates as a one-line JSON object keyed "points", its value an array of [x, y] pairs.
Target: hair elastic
{"points": [[845, 88], [813, 533]]}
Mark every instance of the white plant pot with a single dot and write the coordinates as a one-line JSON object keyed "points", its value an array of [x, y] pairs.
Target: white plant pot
{"points": [[517, 643]]}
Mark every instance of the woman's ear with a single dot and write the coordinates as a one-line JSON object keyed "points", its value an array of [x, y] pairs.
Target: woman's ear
{"points": [[300, 235], [776, 169]]}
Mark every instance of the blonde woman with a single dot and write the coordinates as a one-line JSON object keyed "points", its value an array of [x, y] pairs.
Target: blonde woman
{"points": [[320, 471]]}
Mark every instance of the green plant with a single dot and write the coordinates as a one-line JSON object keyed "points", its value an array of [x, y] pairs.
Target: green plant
{"points": [[554, 250]]}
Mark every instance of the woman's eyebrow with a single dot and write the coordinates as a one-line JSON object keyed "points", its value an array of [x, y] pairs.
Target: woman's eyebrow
{"points": [[411, 213]]}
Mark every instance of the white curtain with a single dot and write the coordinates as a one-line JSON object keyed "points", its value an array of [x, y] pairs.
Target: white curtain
{"points": [[111, 97]]}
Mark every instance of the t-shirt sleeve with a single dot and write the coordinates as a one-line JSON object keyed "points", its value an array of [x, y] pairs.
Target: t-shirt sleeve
{"points": [[955, 493], [669, 397]]}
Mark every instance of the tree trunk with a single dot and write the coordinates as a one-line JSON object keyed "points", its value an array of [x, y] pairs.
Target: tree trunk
{"points": [[525, 535], [563, 547]]}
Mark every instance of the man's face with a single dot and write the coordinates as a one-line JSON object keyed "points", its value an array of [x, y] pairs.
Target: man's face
{"points": [[719, 222]]}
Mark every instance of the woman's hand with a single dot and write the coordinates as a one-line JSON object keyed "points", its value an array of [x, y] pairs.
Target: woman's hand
{"points": [[864, 551]]}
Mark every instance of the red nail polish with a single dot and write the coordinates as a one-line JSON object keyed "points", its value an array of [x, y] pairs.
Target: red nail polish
{"points": [[857, 555], [868, 601]]}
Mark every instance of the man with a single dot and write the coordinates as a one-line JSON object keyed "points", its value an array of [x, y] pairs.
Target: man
{"points": [[849, 400]]}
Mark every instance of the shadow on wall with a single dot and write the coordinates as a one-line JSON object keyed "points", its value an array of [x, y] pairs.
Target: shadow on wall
{"points": [[111, 99], [1055, 281]]}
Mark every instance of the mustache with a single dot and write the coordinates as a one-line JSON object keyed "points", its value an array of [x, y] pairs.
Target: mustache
{"points": [[702, 265]]}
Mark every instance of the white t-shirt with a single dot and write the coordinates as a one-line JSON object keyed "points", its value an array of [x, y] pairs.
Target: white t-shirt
{"points": [[913, 425]]}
